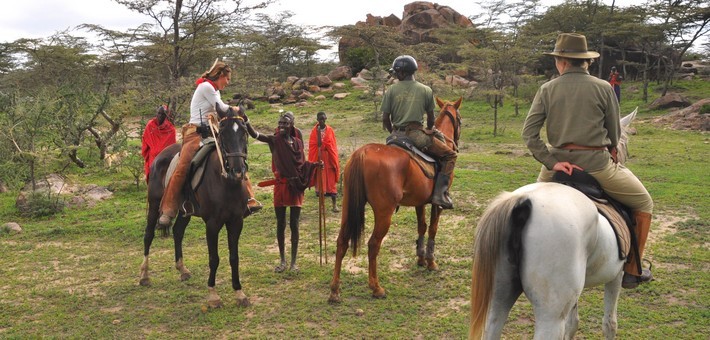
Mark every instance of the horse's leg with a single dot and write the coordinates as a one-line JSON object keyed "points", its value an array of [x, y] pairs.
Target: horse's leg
{"points": [[611, 300], [383, 219], [213, 299], [553, 294], [147, 241], [341, 249], [506, 290], [421, 230], [148, 237], [572, 323], [178, 234], [293, 221], [433, 228], [234, 230]]}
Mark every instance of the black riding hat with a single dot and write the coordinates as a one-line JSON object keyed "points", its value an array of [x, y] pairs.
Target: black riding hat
{"points": [[404, 63]]}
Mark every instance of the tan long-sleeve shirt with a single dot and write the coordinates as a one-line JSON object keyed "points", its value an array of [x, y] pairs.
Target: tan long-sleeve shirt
{"points": [[576, 108]]}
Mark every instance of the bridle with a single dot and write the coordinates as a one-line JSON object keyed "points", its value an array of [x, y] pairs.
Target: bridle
{"points": [[227, 171], [455, 122]]}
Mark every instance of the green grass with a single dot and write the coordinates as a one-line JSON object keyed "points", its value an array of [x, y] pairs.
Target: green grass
{"points": [[75, 275]]}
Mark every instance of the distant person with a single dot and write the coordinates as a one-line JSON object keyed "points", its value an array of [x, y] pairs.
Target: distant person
{"points": [[328, 153], [159, 133], [292, 175], [615, 81], [583, 128]]}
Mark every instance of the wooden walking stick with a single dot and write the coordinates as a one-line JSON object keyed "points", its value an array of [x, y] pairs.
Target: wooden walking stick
{"points": [[320, 178]]}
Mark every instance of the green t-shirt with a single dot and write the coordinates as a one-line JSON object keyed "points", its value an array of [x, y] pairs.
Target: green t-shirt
{"points": [[407, 101]]}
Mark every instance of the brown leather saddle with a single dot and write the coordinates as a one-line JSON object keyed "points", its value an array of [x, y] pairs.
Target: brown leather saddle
{"points": [[618, 215], [428, 164], [195, 176]]}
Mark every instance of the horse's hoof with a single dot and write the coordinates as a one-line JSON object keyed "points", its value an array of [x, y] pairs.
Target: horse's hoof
{"points": [[334, 299], [432, 266], [242, 300], [145, 282], [421, 262], [185, 276], [213, 300], [214, 303], [379, 293]]}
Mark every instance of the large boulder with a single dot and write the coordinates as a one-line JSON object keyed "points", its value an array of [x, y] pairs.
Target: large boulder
{"points": [[689, 118], [670, 100], [419, 19]]}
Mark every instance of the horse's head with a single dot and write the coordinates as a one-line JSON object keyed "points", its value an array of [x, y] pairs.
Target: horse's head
{"points": [[622, 147], [449, 120], [233, 142]]}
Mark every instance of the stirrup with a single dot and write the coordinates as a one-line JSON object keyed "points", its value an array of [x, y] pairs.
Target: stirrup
{"points": [[255, 208]]}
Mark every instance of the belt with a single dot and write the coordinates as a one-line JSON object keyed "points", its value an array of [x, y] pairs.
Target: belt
{"points": [[571, 146], [400, 128]]}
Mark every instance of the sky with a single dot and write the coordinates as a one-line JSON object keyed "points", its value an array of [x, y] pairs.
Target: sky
{"points": [[43, 18]]}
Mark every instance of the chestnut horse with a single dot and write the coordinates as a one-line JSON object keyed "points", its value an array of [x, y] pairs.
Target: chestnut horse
{"points": [[387, 177], [221, 198]]}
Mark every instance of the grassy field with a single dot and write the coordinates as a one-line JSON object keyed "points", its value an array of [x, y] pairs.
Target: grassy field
{"points": [[75, 275]]}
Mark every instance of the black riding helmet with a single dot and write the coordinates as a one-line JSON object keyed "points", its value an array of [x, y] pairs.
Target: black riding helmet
{"points": [[404, 63]]}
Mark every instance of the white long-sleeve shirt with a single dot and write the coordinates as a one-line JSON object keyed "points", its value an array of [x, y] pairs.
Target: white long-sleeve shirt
{"points": [[204, 100]]}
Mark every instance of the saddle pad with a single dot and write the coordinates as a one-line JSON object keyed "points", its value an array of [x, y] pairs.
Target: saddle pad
{"points": [[196, 175], [171, 169], [425, 162], [427, 167], [623, 234]]}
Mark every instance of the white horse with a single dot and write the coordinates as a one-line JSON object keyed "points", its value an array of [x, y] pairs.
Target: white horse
{"points": [[546, 240]]}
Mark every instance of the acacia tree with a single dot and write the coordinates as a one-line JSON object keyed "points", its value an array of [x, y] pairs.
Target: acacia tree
{"points": [[186, 35], [683, 23], [371, 46]]}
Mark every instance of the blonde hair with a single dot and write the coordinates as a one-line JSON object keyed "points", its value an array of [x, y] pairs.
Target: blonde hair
{"points": [[218, 69]]}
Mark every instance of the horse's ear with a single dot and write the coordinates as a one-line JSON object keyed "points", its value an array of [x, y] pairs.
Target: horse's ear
{"points": [[439, 102], [626, 121], [458, 102], [220, 113]]}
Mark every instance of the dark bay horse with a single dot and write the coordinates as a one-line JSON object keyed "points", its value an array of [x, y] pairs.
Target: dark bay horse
{"points": [[221, 200], [386, 177]]}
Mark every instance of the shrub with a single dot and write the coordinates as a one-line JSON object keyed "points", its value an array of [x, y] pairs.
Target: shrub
{"points": [[39, 204]]}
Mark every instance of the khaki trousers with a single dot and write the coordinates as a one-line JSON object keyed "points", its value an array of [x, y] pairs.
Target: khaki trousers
{"points": [[619, 182]]}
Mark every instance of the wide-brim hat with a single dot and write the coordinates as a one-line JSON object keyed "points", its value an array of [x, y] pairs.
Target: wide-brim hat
{"points": [[572, 45]]}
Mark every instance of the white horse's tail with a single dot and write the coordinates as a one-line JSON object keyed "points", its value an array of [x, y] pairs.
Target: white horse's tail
{"points": [[501, 223]]}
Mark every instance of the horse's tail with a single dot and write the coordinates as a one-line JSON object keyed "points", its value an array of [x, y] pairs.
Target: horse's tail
{"points": [[354, 199], [502, 222]]}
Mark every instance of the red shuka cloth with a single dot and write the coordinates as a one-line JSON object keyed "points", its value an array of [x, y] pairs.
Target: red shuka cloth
{"points": [[331, 160], [288, 161], [155, 139]]}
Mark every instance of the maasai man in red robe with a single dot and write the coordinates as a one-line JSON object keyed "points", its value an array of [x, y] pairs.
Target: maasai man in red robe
{"points": [[159, 133], [329, 156], [292, 175]]}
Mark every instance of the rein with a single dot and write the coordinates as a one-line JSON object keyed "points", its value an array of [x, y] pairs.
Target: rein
{"points": [[455, 122], [219, 147]]}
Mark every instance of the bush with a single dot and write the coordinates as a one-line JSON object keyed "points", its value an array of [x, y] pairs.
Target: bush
{"points": [[705, 109], [40, 204]]}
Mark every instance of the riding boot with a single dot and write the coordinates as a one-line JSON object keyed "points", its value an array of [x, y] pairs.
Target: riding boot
{"points": [[633, 275], [173, 192], [252, 204], [440, 196]]}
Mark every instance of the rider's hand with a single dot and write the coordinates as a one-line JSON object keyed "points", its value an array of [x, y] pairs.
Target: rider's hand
{"points": [[614, 152], [566, 167]]}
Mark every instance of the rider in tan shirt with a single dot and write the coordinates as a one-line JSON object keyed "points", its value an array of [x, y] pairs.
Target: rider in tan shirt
{"points": [[581, 115]]}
